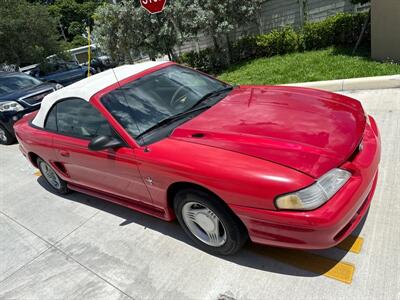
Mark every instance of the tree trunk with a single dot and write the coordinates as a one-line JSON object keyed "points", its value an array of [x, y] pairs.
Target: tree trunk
{"points": [[364, 28], [215, 41], [196, 41], [229, 45], [259, 22], [62, 31]]}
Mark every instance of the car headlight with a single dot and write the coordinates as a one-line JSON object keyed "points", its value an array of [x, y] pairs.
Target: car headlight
{"points": [[58, 86], [10, 106], [317, 194]]}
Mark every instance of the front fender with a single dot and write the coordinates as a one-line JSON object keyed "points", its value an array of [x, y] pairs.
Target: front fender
{"points": [[236, 178]]}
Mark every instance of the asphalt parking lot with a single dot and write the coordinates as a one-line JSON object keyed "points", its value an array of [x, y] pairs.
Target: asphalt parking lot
{"points": [[80, 247]]}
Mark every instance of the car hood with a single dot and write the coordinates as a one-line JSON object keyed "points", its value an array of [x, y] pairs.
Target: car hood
{"points": [[15, 95], [309, 130]]}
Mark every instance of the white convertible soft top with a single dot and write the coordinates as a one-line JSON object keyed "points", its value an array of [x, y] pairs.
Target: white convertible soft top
{"points": [[87, 87]]}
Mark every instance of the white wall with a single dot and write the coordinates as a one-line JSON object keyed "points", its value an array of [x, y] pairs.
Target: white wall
{"points": [[385, 29]]}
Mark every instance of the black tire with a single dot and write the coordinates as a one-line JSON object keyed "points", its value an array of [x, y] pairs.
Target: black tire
{"points": [[62, 188], [236, 233], [6, 138]]}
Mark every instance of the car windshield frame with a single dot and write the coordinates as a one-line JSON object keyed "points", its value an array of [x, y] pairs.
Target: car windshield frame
{"points": [[10, 88], [146, 93]]}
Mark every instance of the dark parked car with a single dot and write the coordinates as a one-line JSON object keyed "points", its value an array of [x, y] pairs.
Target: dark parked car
{"points": [[102, 63], [60, 72], [19, 94]]}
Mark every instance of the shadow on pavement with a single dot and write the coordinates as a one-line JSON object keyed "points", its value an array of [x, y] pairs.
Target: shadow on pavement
{"points": [[265, 258]]}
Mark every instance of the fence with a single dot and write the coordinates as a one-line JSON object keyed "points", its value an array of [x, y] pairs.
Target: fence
{"points": [[278, 13]]}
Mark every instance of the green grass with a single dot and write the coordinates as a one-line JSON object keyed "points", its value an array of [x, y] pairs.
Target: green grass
{"points": [[326, 64]]}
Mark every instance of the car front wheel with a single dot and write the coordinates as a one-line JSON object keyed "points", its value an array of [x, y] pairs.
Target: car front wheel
{"points": [[208, 222], [5, 137], [51, 177]]}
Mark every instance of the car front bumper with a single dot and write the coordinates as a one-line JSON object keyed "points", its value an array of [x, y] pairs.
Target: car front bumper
{"points": [[331, 223], [8, 119]]}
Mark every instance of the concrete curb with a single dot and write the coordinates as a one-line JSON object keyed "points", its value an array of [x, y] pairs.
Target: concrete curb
{"points": [[366, 83]]}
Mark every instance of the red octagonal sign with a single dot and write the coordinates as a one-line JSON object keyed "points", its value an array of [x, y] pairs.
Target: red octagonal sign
{"points": [[153, 6]]}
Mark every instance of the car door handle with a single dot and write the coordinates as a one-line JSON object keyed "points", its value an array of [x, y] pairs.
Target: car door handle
{"points": [[64, 153]]}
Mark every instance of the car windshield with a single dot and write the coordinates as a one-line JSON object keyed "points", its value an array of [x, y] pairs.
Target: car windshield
{"points": [[15, 82], [142, 104]]}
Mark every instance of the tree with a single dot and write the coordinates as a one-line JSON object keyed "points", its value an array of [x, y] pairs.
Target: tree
{"points": [[27, 33], [74, 16], [222, 18], [125, 30], [366, 22]]}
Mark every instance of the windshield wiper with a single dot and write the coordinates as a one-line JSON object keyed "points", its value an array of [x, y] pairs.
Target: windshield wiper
{"points": [[172, 119], [211, 94], [191, 110]]}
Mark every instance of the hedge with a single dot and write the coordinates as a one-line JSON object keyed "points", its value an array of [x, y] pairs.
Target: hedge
{"points": [[341, 30]]}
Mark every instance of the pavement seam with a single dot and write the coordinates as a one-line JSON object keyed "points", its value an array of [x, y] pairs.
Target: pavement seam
{"points": [[15, 221], [93, 272], [24, 265], [79, 226], [60, 250]]}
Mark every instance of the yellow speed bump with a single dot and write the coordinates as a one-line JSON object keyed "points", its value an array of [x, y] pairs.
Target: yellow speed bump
{"points": [[352, 244], [320, 265]]}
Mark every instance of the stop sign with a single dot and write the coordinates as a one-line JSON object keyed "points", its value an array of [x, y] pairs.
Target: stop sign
{"points": [[153, 6]]}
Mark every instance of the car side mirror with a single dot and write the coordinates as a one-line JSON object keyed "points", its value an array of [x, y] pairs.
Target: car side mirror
{"points": [[103, 142]]}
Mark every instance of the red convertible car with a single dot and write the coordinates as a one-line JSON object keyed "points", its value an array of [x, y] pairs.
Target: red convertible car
{"points": [[283, 166]]}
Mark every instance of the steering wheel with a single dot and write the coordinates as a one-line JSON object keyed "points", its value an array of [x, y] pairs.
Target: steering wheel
{"points": [[177, 101]]}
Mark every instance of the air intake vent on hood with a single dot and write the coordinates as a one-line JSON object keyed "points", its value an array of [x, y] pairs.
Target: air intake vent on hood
{"points": [[198, 135]]}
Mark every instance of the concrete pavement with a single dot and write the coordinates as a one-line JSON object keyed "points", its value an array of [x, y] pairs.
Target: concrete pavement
{"points": [[357, 84], [80, 247]]}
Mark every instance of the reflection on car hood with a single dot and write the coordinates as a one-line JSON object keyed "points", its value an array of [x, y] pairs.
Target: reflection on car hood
{"points": [[309, 130]]}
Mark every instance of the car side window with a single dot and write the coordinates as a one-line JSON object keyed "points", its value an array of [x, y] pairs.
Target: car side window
{"points": [[51, 120], [78, 118], [72, 66]]}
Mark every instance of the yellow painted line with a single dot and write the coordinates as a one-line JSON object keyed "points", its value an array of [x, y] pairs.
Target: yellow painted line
{"points": [[320, 265], [37, 173], [352, 244]]}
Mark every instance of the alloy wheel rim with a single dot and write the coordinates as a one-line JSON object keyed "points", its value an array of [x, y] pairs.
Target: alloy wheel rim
{"points": [[204, 224], [50, 175], [3, 136]]}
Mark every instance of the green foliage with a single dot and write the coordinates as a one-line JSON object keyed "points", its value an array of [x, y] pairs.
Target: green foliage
{"points": [[340, 30], [277, 42], [76, 28], [106, 30], [27, 33], [208, 60], [78, 41], [219, 18], [245, 48], [74, 15], [327, 64], [125, 30]]}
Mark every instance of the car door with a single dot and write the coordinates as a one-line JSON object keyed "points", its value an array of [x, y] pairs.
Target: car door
{"points": [[113, 171], [50, 71], [75, 72]]}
